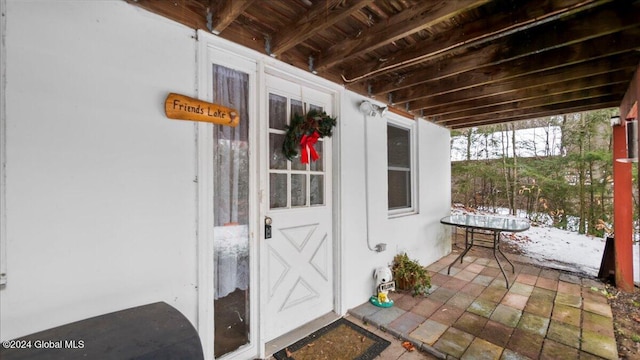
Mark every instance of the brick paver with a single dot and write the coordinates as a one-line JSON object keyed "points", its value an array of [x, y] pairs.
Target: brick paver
{"points": [[564, 333], [552, 350], [429, 332], [454, 342], [515, 300], [470, 314], [506, 315], [471, 323], [482, 350], [497, 333]]}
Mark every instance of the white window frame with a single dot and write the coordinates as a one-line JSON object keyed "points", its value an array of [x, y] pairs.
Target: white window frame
{"points": [[411, 126], [211, 51]]}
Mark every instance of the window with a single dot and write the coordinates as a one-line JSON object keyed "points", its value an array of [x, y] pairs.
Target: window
{"points": [[292, 184], [232, 201], [401, 168]]}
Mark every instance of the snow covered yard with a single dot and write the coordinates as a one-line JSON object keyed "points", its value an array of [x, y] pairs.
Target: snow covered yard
{"points": [[567, 250], [546, 243]]}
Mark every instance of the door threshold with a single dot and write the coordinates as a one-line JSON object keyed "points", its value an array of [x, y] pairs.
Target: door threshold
{"points": [[305, 330]]}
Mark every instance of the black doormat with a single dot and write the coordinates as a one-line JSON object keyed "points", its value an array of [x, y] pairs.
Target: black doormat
{"points": [[340, 340]]}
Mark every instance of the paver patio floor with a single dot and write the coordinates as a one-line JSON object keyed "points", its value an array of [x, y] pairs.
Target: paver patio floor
{"points": [[470, 314]]}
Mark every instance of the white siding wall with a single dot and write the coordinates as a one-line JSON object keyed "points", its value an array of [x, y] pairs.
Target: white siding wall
{"points": [[420, 235], [101, 199], [100, 184]]}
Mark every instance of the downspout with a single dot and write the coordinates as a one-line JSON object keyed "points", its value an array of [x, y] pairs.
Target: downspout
{"points": [[366, 114]]}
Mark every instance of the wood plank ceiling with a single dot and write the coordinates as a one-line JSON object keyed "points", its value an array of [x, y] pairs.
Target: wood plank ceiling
{"points": [[458, 63]]}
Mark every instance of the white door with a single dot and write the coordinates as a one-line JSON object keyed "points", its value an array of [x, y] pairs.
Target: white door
{"points": [[297, 261]]}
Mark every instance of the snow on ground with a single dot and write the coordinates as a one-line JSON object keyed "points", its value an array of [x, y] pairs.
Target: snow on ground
{"points": [[584, 252], [551, 244], [566, 249]]}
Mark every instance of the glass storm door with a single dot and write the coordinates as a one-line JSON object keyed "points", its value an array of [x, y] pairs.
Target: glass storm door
{"points": [[231, 214], [298, 258]]}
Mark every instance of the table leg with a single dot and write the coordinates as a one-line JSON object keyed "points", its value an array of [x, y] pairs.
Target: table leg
{"points": [[496, 246], [467, 246], [513, 268]]}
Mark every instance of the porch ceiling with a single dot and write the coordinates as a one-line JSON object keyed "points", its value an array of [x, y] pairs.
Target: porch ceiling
{"points": [[458, 63]]}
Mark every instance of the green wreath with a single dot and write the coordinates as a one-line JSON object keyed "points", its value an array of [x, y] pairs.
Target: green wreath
{"points": [[303, 126]]}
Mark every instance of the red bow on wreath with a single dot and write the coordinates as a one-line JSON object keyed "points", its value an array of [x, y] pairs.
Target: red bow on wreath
{"points": [[306, 145]]}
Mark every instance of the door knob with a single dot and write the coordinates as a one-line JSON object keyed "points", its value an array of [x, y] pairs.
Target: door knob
{"points": [[267, 227]]}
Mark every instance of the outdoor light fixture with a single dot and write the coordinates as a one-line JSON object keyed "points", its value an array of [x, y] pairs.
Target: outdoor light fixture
{"points": [[382, 110], [367, 108]]}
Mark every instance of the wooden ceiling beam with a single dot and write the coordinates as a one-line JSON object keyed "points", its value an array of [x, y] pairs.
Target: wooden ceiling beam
{"points": [[321, 16], [547, 110], [598, 49], [574, 110], [585, 72], [480, 82], [224, 12], [593, 92], [485, 29], [566, 45], [405, 23], [482, 61]]}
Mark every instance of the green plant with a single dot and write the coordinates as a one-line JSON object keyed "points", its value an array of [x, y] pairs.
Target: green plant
{"points": [[410, 275], [314, 122]]}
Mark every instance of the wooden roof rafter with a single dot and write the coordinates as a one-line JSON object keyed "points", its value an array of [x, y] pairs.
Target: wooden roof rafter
{"points": [[578, 76], [222, 13], [471, 34], [322, 15], [573, 106], [439, 58], [397, 27], [572, 42], [546, 97]]}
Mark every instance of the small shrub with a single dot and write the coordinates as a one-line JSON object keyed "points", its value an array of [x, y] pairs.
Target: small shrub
{"points": [[410, 275]]}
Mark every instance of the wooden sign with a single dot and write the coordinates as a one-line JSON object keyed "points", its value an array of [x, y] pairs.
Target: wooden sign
{"points": [[182, 107]]}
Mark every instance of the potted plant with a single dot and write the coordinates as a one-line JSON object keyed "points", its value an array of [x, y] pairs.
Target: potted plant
{"points": [[410, 275]]}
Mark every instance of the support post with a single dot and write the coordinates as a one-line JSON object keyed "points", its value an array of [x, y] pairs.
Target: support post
{"points": [[622, 210]]}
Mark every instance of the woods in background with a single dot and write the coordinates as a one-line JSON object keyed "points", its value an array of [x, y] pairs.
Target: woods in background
{"points": [[556, 170]]}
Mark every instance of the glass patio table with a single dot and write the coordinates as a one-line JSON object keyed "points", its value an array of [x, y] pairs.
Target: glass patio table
{"points": [[487, 225]]}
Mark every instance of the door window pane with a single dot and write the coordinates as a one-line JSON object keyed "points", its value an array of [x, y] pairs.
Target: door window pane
{"points": [[298, 190], [277, 160], [318, 165], [296, 164], [317, 190], [315, 107], [277, 112], [277, 190], [296, 107]]}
